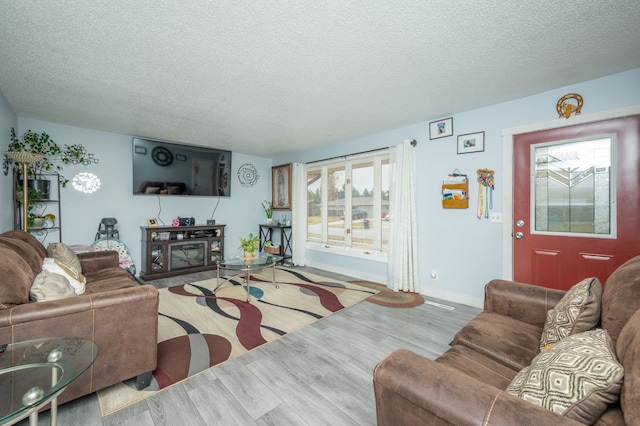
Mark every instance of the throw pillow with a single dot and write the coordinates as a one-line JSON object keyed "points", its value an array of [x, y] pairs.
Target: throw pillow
{"points": [[64, 253], [577, 377], [577, 311], [76, 279], [50, 286]]}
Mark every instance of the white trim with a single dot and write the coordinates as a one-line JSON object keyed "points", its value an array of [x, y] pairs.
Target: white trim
{"points": [[348, 272], [358, 253], [453, 297], [507, 169]]}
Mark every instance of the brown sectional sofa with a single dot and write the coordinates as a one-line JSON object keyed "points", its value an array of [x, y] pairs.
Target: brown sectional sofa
{"points": [[120, 316], [466, 385]]}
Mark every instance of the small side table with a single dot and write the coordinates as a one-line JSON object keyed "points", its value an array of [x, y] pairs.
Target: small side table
{"points": [[33, 373], [266, 234]]}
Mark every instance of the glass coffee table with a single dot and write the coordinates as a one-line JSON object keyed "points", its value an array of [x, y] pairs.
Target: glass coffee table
{"points": [[247, 266], [34, 372]]}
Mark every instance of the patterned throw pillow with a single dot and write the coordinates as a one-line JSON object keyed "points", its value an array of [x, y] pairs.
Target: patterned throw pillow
{"points": [[63, 252], [577, 377], [577, 311]]}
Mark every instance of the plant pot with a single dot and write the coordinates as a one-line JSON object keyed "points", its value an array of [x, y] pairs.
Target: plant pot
{"points": [[249, 255], [43, 187], [37, 222]]}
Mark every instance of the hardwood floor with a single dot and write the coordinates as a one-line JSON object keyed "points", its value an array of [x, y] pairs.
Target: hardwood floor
{"points": [[319, 375]]}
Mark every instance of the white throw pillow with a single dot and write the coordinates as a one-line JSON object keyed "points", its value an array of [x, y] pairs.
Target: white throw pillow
{"points": [[50, 286], [76, 279]]}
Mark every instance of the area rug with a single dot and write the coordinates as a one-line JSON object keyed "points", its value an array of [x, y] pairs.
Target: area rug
{"points": [[198, 328], [391, 299]]}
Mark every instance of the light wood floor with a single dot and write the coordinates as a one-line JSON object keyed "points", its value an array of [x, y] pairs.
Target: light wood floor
{"points": [[319, 375]]}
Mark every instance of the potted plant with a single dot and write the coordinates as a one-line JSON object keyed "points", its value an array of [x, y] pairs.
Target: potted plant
{"points": [[269, 247], [33, 196], [268, 209], [249, 245], [54, 157]]}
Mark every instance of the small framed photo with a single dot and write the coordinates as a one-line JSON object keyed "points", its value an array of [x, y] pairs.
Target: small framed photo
{"points": [[441, 128], [281, 187], [152, 222], [471, 142]]}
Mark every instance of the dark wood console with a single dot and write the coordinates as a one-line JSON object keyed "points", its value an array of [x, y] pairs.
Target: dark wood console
{"points": [[175, 250]]}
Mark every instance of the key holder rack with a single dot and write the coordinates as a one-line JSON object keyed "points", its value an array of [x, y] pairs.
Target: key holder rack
{"points": [[486, 183]]}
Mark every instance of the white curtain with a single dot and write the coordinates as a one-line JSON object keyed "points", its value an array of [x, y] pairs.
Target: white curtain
{"points": [[402, 265], [299, 213]]}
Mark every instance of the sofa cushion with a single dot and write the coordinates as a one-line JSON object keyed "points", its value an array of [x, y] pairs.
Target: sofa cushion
{"points": [[577, 377], [478, 366], [76, 279], [577, 311], [63, 252], [50, 286], [628, 351], [509, 341], [25, 251], [17, 278], [17, 234], [620, 299]]}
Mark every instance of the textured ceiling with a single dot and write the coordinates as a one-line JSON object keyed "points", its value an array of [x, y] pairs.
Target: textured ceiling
{"points": [[275, 76]]}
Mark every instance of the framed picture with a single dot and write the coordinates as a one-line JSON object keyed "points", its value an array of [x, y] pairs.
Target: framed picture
{"points": [[152, 222], [471, 142], [281, 187], [441, 128]]}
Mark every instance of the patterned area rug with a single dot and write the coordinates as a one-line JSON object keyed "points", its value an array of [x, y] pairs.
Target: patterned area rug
{"points": [[198, 329], [386, 297]]}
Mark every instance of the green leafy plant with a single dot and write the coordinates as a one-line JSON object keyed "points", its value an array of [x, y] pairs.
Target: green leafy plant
{"points": [[268, 208], [33, 196], [55, 156], [250, 244]]}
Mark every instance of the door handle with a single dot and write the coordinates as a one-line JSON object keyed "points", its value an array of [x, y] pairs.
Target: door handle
{"points": [[519, 235]]}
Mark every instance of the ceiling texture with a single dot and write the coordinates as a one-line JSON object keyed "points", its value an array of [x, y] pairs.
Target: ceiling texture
{"points": [[271, 77]]}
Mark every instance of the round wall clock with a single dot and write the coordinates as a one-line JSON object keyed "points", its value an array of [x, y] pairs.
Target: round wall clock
{"points": [[161, 156], [248, 175]]}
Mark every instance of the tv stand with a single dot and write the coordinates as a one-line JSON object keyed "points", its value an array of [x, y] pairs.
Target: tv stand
{"points": [[168, 251]]}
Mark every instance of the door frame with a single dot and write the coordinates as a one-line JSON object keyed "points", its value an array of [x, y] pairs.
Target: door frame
{"points": [[507, 169]]}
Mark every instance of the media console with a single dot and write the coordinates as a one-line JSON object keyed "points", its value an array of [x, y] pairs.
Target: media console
{"points": [[174, 250]]}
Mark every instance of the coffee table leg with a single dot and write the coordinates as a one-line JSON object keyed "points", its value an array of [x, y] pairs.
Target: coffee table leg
{"points": [[274, 276], [248, 283]]}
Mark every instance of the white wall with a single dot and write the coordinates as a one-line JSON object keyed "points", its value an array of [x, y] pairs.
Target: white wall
{"points": [[8, 119], [81, 213], [466, 252]]}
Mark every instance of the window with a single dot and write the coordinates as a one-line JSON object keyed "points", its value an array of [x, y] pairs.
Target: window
{"points": [[348, 202], [572, 189]]}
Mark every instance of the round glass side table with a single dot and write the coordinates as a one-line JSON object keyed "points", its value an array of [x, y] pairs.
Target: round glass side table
{"points": [[34, 372]]}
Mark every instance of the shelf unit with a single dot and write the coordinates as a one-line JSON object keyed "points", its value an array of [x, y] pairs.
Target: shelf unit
{"points": [[284, 239], [175, 250], [51, 204]]}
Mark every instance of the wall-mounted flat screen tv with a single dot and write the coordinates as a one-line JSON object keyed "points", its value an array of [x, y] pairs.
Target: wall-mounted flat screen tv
{"points": [[166, 168]]}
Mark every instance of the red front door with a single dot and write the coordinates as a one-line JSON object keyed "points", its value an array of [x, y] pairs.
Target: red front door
{"points": [[577, 205]]}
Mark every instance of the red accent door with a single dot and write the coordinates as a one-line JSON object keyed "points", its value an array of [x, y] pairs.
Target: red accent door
{"points": [[559, 260]]}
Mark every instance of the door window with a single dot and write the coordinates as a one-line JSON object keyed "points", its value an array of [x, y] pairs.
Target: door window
{"points": [[573, 188]]}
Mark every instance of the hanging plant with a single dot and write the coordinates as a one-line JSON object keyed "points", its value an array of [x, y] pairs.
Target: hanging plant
{"points": [[54, 156]]}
